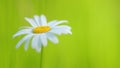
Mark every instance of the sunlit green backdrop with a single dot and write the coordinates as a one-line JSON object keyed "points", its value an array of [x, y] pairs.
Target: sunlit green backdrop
{"points": [[95, 42]]}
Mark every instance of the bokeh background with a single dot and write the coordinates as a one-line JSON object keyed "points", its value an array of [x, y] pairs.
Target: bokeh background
{"points": [[95, 42]]}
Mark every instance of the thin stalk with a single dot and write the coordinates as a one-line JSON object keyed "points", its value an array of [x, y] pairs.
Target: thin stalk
{"points": [[41, 57]]}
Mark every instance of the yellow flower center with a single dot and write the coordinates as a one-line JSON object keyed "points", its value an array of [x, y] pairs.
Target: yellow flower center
{"points": [[41, 29]]}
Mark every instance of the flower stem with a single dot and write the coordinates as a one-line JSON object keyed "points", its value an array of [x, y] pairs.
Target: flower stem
{"points": [[41, 57]]}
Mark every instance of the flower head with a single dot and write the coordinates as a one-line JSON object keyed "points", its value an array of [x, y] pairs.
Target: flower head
{"points": [[40, 31]]}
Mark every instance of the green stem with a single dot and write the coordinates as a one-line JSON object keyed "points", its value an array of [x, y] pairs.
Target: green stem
{"points": [[41, 56]]}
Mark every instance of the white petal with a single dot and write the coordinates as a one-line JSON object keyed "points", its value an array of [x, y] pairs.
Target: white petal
{"points": [[43, 20], [26, 44], [38, 49], [52, 38], [66, 31], [24, 31], [69, 32], [59, 22], [37, 19], [35, 41], [43, 38], [52, 22], [31, 21], [22, 40], [39, 42], [62, 27], [60, 31], [55, 31]]}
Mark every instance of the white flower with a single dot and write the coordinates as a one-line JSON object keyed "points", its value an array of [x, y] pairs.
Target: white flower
{"points": [[41, 31]]}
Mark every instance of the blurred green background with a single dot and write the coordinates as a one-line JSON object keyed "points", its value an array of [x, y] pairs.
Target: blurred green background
{"points": [[95, 42]]}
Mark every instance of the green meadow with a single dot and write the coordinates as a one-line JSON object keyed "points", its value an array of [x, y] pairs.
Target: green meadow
{"points": [[95, 42]]}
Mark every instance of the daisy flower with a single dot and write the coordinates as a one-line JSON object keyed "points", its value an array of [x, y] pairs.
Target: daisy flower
{"points": [[41, 31]]}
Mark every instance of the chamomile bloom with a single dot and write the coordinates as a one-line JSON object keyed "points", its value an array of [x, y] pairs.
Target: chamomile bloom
{"points": [[41, 31]]}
